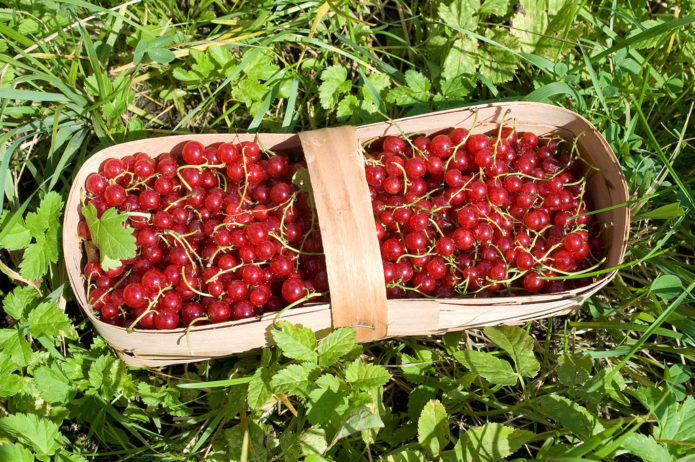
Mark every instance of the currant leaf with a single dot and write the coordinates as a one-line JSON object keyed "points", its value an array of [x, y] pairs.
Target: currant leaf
{"points": [[114, 241]]}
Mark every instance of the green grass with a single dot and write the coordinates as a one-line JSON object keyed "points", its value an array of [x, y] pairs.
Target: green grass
{"points": [[610, 382]]}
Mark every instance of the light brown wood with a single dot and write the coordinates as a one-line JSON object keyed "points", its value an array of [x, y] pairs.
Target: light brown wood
{"points": [[353, 258], [606, 186]]}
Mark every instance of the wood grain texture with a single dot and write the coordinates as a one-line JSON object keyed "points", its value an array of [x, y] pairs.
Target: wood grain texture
{"points": [[344, 208]]}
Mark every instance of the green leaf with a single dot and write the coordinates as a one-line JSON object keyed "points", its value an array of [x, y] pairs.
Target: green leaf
{"points": [[673, 210], [494, 370], [418, 83], [346, 107], [107, 375], [10, 384], [295, 342], [47, 320], [39, 433], [364, 376], [461, 58], [114, 241], [313, 441], [53, 386], [667, 287], [418, 398], [496, 7], [646, 448], [259, 392], [496, 64], [518, 345], [294, 379], [335, 345], [491, 442], [333, 84], [18, 302], [571, 415], [433, 428], [574, 369], [326, 405], [17, 236], [37, 257], [460, 13], [531, 21], [161, 55], [357, 420], [15, 453], [15, 345], [678, 422]]}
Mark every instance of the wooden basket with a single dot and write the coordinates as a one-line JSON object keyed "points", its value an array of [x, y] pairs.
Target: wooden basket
{"points": [[353, 260]]}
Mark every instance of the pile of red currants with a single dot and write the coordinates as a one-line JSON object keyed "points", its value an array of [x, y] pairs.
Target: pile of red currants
{"points": [[477, 215], [227, 232]]}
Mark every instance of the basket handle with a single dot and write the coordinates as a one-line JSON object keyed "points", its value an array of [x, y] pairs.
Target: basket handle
{"points": [[344, 208]]}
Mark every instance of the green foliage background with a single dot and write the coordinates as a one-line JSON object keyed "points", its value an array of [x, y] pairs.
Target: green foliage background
{"points": [[612, 382]]}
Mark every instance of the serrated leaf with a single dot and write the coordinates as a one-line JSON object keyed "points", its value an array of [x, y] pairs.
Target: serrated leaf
{"points": [[364, 376], [259, 391], [18, 302], [106, 374], [357, 420], [39, 433], [646, 448], [9, 385], [571, 415], [295, 342], [460, 13], [333, 84], [489, 443], [346, 107], [53, 386], [49, 210], [678, 422], [667, 287], [15, 453], [335, 345], [418, 398], [494, 370], [294, 379], [15, 346], [37, 257], [17, 236], [114, 241], [495, 63], [249, 91], [518, 345], [433, 428], [313, 441], [47, 320], [261, 67], [460, 59], [417, 82], [326, 405], [496, 7], [574, 369]]}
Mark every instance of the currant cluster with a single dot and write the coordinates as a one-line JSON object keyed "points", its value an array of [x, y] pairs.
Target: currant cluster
{"points": [[477, 214], [221, 232]]}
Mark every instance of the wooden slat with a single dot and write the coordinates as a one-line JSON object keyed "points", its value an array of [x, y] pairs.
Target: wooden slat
{"points": [[344, 208]]}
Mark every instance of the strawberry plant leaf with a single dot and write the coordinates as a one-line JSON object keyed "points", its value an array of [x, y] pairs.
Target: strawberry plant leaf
{"points": [[646, 448], [314, 441], [677, 422], [461, 58], [259, 389], [108, 374], [15, 346], [571, 415], [9, 385], [518, 345], [333, 84], [47, 320], [295, 342], [496, 7], [364, 376], [39, 433], [18, 302], [460, 13], [494, 370], [574, 369], [294, 379], [433, 428], [490, 442], [336, 344], [357, 420], [37, 257], [114, 241], [15, 453], [17, 236]]}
